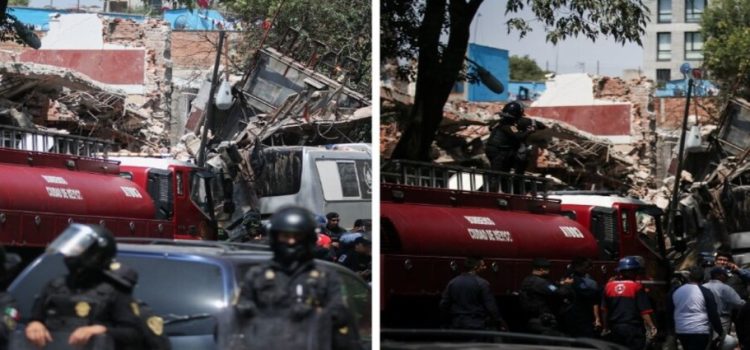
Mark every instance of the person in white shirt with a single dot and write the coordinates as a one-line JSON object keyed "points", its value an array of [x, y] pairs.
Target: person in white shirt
{"points": [[695, 313]]}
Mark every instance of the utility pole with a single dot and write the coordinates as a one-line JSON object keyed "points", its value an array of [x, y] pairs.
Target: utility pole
{"points": [[597, 67], [208, 120]]}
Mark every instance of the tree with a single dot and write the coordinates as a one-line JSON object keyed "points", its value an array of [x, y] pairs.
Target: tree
{"points": [[435, 35], [726, 29], [342, 25], [525, 69]]}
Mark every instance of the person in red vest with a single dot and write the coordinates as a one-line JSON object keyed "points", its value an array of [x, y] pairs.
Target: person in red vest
{"points": [[626, 308]]}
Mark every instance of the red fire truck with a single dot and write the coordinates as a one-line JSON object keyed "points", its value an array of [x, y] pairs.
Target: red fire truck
{"points": [[434, 216], [50, 180]]}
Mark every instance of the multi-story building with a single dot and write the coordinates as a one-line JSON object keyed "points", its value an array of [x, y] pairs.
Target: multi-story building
{"points": [[673, 37]]}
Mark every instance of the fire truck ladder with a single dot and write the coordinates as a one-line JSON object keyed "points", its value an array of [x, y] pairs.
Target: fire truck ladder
{"points": [[412, 173], [45, 141]]}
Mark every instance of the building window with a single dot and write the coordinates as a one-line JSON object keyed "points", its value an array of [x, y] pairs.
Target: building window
{"points": [[693, 46], [663, 76], [664, 46], [694, 10], [665, 11]]}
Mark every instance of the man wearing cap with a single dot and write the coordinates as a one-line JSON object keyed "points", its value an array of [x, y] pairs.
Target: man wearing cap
{"points": [[727, 298], [541, 299], [468, 302], [358, 257], [737, 277]]}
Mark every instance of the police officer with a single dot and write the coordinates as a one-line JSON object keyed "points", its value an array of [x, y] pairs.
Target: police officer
{"points": [[291, 302], [468, 301], [507, 137], [151, 325], [582, 317], [83, 303], [10, 316], [541, 299], [626, 307]]}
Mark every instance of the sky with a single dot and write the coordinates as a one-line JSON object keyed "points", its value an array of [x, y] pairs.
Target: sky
{"points": [[574, 55]]}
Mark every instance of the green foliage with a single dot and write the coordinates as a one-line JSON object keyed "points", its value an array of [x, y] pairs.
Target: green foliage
{"points": [[342, 25], [525, 69], [18, 3], [726, 32], [622, 20]]}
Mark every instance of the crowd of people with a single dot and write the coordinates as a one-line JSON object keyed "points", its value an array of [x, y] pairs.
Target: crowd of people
{"points": [[351, 248], [706, 305]]}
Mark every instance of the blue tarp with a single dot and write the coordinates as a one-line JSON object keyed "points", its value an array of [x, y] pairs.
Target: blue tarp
{"points": [[496, 62], [676, 88], [197, 19]]}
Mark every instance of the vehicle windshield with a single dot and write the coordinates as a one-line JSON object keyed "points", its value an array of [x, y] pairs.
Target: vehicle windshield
{"points": [[646, 226]]}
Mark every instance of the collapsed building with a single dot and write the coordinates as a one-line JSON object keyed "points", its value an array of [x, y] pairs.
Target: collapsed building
{"points": [[131, 83]]}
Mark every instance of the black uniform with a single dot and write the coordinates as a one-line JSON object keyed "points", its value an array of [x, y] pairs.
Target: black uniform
{"points": [[290, 302], [624, 302], [277, 306], [540, 301], [469, 303], [505, 140], [150, 324], [66, 304], [10, 317], [357, 262], [578, 318]]}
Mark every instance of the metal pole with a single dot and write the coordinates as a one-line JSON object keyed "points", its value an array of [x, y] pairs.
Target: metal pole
{"points": [[678, 174], [207, 121]]}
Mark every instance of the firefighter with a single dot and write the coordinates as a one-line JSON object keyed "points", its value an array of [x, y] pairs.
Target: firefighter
{"points": [[10, 315], [84, 302], [541, 299], [151, 325], [291, 302], [506, 138], [468, 301], [626, 307]]}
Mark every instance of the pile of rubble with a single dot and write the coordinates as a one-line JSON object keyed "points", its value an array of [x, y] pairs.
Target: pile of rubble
{"points": [[577, 159], [40, 96]]}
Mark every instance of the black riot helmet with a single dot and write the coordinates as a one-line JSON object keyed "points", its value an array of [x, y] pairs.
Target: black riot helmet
{"points": [[513, 109], [292, 235], [85, 248]]}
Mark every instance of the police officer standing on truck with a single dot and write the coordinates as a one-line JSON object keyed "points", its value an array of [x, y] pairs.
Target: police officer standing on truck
{"points": [[626, 308], [541, 299], [468, 300], [84, 302], [291, 302], [506, 138]]}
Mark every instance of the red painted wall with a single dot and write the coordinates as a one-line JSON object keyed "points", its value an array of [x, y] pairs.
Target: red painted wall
{"points": [[599, 120], [121, 67]]}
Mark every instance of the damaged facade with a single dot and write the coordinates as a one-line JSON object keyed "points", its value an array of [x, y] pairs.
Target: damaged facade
{"points": [[94, 76]]}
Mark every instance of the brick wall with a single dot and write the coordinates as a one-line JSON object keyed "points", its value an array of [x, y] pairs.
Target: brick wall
{"points": [[194, 49], [671, 110]]}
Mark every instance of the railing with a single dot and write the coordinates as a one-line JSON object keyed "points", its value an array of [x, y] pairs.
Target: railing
{"points": [[45, 141], [430, 175]]}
